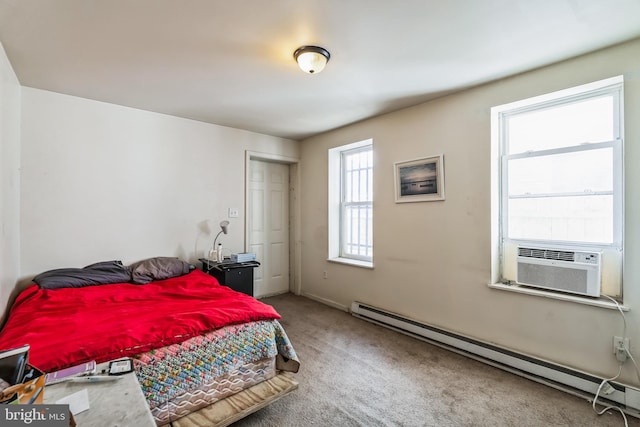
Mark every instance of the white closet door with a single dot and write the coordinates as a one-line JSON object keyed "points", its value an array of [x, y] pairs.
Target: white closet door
{"points": [[268, 213]]}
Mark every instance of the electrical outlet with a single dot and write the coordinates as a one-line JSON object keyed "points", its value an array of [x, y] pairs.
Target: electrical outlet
{"points": [[234, 213], [618, 344], [324, 275]]}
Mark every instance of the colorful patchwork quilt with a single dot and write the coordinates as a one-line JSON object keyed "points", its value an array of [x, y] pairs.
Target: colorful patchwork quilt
{"points": [[170, 371]]}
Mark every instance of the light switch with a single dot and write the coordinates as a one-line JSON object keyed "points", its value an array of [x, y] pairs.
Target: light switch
{"points": [[234, 213]]}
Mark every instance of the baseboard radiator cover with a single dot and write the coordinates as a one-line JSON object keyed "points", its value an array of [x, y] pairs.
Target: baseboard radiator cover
{"points": [[560, 377]]}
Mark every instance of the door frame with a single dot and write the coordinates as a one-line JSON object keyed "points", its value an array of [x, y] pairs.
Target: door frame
{"points": [[295, 246]]}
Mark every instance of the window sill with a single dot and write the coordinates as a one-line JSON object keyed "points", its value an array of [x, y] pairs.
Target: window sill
{"points": [[596, 302], [354, 262]]}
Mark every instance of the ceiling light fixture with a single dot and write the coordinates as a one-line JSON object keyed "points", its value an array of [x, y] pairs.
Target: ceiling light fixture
{"points": [[311, 59]]}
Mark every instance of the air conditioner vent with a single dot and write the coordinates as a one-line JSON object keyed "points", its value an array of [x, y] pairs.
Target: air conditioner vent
{"points": [[567, 271], [547, 254]]}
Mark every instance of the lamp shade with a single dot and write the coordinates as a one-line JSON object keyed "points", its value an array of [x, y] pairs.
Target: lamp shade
{"points": [[224, 228], [311, 59]]}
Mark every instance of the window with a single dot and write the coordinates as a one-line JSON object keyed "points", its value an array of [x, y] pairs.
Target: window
{"points": [[560, 176], [351, 203], [356, 204]]}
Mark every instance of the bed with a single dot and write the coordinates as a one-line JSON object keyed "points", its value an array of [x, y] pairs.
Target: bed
{"points": [[193, 341]]}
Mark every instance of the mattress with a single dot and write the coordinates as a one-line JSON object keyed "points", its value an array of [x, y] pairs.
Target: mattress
{"points": [[181, 378], [214, 390]]}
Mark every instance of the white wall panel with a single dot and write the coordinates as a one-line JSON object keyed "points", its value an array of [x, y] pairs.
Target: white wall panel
{"points": [[101, 181], [9, 179]]}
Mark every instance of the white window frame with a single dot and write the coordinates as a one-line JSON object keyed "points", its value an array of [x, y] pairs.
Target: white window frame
{"points": [[612, 86], [337, 240]]}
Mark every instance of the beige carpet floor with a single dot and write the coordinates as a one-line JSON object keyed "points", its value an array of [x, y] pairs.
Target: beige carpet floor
{"points": [[354, 373]]}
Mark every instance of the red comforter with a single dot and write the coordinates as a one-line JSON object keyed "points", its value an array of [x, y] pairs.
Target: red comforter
{"points": [[73, 325]]}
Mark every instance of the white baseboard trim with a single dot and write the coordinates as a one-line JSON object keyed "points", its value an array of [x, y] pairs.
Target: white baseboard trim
{"points": [[560, 377], [272, 294], [326, 301]]}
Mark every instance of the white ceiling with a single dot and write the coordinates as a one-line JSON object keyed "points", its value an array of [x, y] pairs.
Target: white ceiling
{"points": [[230, 62]]}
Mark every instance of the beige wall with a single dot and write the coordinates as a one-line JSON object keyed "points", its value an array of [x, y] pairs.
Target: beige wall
{"points": [[102, 181], [432, 260], [9, 179]]}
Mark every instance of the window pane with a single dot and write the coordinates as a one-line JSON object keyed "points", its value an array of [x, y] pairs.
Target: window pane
{"points": [[358, 172], [351, 187], [561, 126], [577, 219], [358, 230], [578, 172]]}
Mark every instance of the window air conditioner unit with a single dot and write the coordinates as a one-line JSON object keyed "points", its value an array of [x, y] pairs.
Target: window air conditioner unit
{"points": [[559, 270]]}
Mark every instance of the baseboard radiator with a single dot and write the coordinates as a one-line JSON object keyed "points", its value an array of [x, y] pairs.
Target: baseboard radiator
{"points": [[557, 376]]}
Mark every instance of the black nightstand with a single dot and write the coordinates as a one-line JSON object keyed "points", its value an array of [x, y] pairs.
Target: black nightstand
{"points": [[236, 275]]}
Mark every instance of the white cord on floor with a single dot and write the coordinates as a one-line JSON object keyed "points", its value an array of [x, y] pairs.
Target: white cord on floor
{"points": [[606, 408], [624, 334]]}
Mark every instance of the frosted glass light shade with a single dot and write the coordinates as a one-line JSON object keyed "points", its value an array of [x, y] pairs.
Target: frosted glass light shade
{"points": [[311, 59]]}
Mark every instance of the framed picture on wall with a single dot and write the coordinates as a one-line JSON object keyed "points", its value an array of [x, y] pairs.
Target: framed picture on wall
{"points": [[420, 180]]}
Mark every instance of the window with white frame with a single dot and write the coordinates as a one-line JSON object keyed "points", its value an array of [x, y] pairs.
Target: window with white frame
{"points": [[351, 203], [560, 176]]}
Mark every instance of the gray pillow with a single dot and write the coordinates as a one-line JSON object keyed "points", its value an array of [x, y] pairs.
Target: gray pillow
{"points": [[101, 273], [158, 268]]}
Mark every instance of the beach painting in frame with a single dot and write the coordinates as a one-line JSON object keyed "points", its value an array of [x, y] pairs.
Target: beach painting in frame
{"points": [[420, 180]]}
